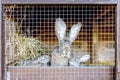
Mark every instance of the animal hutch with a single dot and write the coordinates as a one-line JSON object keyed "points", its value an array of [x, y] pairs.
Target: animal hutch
{"points": [[60, 39]]}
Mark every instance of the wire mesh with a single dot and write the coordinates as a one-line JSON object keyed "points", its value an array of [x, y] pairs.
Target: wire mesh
{"points": [[30, 33]]}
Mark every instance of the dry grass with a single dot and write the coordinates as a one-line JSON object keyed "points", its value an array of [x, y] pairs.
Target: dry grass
{"points": [[25, 48]]}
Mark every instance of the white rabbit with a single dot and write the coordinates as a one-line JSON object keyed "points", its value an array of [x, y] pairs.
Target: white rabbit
{"points": [[26, 63], [63, 52], [40, 61], [76, 61], [65, 41]]}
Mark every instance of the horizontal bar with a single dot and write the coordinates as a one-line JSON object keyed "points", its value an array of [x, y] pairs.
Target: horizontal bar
{"points": [[80, 67], [59, 1]]}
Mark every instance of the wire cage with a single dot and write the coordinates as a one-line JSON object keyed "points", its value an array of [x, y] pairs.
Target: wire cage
{"points": [[28, 34]]}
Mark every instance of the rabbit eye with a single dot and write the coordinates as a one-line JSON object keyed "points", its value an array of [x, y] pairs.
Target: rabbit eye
{"points": [[74, 59]]}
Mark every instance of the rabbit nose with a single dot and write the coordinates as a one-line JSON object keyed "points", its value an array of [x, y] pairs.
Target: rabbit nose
{"points": [[66, 50]]}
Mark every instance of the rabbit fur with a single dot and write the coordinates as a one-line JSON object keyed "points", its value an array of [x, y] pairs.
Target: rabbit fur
{"points": [[63, 52]]}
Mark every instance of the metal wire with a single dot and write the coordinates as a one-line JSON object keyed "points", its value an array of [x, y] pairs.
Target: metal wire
{"points": [[96, 37]]}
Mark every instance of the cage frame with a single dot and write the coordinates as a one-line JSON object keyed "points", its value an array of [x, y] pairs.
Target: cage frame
{"points": [[97, 2]]}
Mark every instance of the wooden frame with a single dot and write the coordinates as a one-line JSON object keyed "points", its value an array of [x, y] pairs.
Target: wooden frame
{"points": [[59, 1], [116, 2], [117, 42]]}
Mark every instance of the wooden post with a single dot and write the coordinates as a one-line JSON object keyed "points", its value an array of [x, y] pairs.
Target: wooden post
{"points": [[2, 40], [118, 42], [94, 42]]}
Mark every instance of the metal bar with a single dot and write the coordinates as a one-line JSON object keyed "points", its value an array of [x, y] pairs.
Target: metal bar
{"points": [[59, 1], [0, 37], [71, 67]]}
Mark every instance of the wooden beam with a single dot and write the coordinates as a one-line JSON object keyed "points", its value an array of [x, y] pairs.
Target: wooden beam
{"points": [[59, 1], [118, 42], [62, 73]]}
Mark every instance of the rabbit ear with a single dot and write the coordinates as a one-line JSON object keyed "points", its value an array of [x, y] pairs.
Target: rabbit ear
{"points": [[74, 32], [60, 28]]}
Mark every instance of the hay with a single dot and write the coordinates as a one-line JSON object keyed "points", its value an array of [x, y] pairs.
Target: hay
{"points": [[29, 48], [25, 48]]}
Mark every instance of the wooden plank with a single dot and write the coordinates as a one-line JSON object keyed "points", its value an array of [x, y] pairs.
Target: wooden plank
{"points": [[59, 1], [61, 73], [118, 36], [118, 42], [117, 76]]}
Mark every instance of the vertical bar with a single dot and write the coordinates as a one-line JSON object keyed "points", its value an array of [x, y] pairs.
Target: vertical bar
{"points": [[0, 37], [2, 44], [118, 42]]}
